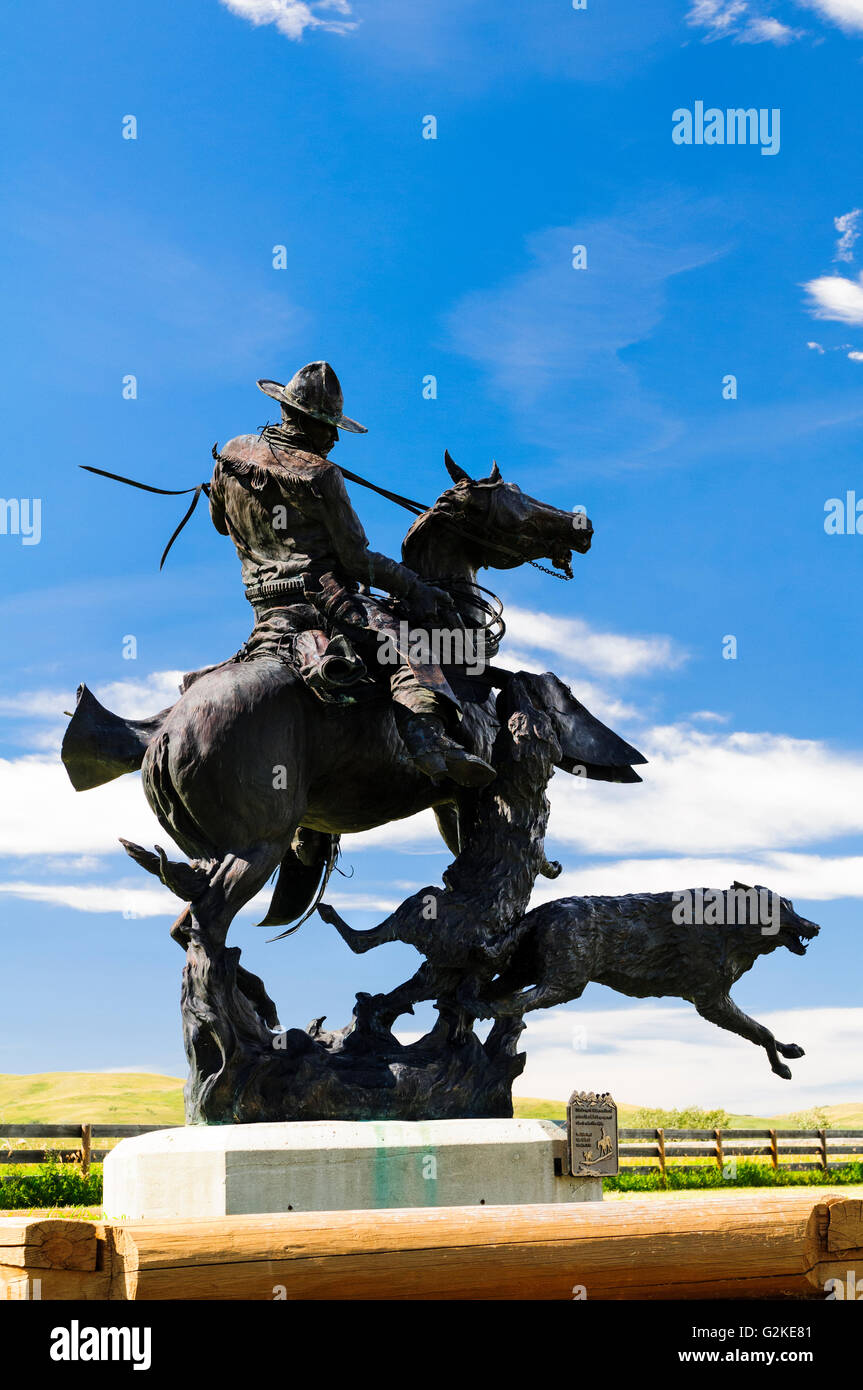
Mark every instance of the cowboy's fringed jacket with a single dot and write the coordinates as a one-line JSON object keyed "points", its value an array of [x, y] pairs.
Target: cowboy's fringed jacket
{"points": [[288, 513]]}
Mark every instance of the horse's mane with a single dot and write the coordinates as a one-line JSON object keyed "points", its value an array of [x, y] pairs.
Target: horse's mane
{"points": [[427, 531]]}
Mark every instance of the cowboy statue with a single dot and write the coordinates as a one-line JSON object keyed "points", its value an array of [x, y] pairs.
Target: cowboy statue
{"points": [[330, 719], [307, 570]]}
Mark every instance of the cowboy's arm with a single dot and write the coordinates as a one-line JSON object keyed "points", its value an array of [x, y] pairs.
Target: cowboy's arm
{"points": [[352, 547]]}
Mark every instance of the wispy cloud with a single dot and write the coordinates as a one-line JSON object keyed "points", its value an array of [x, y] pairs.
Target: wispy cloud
{"points": [[551, 338], [848, 226], [736, 20], [160, 902], [602, 653], [293, 17], [817, 877]]}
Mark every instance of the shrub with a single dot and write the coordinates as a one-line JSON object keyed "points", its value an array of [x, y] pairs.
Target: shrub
{"points": [[52, 1184], [692, 1117]]}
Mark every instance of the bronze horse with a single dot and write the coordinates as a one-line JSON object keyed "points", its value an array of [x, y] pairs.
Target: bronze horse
{"points": [[249, 772]]}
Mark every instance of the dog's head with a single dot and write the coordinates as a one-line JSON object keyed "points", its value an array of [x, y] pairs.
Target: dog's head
{"points": [[766, 910]]}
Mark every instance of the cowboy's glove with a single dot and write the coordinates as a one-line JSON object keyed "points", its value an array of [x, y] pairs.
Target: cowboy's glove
{"points": [[431, 605]]}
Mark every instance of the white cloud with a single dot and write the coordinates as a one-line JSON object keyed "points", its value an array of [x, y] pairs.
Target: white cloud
{"points": [[835, 297], [767, 30], [848, 14], [40, 812], [293, 17], [160, 901], [659, 1054], [847, 225], [855, 356], [723, 19], [136, 699], [719, 17], [812, 877], [816, 347], [716, 794], [602, 653]]}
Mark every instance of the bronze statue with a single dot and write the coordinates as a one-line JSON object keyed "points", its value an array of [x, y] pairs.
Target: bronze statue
{"points": [[327, 721]]}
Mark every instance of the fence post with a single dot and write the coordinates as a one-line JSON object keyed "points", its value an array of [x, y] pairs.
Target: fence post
{"points": [[660, 1142], [720, 1160], [822, 1147], [774, 1150], [86, 1149]]}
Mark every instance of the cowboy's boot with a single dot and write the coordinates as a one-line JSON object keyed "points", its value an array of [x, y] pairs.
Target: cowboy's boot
{"points": [[439, 756]]}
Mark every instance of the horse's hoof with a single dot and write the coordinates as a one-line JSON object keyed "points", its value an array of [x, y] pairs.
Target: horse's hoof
{"points": [[783, 1071], [790, 1050]]}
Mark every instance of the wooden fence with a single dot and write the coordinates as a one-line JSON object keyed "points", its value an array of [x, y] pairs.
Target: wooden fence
{"points": [[830, 1148], [83, 1153], [827, 1148]]}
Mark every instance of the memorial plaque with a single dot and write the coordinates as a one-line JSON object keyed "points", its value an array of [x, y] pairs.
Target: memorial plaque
{"points": [[591, 1135]]}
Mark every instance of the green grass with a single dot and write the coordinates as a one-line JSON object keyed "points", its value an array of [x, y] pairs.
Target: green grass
{"points": [[80, 1097], [748, 1175]]}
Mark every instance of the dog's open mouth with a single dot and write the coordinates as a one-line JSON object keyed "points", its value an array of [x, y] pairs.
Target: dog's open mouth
{"points": [[798, 941]]}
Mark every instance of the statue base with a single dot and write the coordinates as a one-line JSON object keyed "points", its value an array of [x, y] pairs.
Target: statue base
{"points": [[341, 1165]]}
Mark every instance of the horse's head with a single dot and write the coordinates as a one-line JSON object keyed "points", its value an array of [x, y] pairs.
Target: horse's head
{"points": [[500, 526]]}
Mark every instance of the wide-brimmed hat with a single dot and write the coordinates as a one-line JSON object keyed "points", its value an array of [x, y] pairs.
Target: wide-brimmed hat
{"points": [[315, 390]]}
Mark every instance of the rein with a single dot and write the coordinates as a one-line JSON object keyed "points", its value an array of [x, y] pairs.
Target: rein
{"points": [[409, 504]]}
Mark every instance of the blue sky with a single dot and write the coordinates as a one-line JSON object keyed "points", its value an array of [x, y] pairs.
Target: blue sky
{"points": [[599, 387]]}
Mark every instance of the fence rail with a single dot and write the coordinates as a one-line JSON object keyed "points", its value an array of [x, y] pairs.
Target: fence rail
{"points": [[666, 1146], [829, 1149], [84, 1154]]}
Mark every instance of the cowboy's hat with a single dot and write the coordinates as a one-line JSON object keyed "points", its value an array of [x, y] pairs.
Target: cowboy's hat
{"points": [[314, 390]]}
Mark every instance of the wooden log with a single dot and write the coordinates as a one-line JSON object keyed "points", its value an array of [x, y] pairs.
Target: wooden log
{"points": [[47, 1243], [748, 1245], [835, 1245], [53, 1259]]}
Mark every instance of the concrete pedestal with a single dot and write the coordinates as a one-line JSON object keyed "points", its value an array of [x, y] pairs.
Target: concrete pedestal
{"points": [[318, 1165]]}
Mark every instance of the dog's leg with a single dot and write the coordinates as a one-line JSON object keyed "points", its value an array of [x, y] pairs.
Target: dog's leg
{"points": [[724, 1013]]}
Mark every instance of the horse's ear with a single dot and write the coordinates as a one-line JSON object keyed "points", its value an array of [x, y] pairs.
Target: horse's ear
{"points": [[457, 474], [495, 475]]}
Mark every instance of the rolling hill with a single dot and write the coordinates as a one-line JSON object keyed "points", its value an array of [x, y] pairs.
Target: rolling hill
{"points": [[72, 1097]]}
